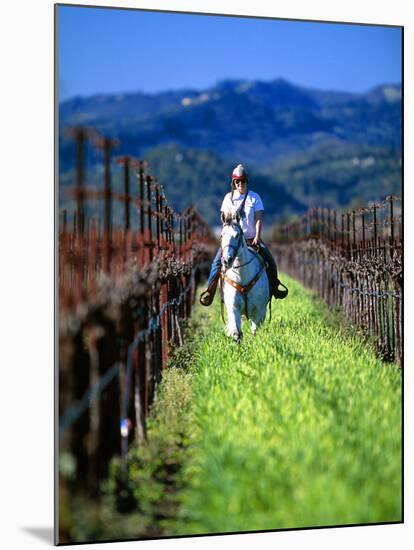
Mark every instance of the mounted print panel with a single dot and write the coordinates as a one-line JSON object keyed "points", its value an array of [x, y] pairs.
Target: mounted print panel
{"points": [[229, 204]]}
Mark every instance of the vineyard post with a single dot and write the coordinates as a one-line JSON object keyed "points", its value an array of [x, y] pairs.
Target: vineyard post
{"points": [[180, 250], [107, 145], [348, 233], [172, 231], [336, 247], [306, 237], [94, 255], [149, 215], [353, 235], [141, 211], [392, 224], [167, 226], [329, 224], [138, 396], [157, 336], [400, 228], [64, 220], [322, 223], [157, 210], [123, 409], [126, 163], [322, 285], [80, 137], [74, 224], [363, 250], [186, 235], [392, 325], [63, 252], [363, 229], [355, 297], [127, 194], [330, 267], [161, 213], [375, 229], [375, 299], [347, 296]]}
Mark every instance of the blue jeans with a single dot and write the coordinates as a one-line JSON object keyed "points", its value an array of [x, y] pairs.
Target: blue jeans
{"points": [[215, 266]]}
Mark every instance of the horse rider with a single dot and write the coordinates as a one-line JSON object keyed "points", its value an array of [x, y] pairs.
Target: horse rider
{"points": [[249, 205]]}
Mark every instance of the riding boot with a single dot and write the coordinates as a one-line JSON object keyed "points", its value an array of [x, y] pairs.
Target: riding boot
{"points": [[272, 275], [207, 296]]}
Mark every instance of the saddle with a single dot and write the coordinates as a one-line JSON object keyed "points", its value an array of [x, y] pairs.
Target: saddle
{"points": [[274, 282]]}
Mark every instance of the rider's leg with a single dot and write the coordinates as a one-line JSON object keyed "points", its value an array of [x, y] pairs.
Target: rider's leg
{"points": [[215, 267], [271, 268], [207, 296]]}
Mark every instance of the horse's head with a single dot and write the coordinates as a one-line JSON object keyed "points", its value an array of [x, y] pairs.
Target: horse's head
{"points": [[231, 238]]}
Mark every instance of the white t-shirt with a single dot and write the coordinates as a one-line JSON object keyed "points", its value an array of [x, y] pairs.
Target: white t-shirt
{"points": [[253, 204]]}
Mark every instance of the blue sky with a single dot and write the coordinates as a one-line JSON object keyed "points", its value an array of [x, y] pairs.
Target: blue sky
{"points": [[111, 51]]}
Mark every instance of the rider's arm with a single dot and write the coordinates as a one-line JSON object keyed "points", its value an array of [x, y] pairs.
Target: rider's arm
{"points": [[258, 220]]}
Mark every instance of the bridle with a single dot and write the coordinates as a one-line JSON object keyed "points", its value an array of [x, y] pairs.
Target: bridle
{"points": [[240, 238]]}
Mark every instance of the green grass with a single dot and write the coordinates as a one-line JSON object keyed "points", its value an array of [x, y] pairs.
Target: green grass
{"points": [[299, 426]]}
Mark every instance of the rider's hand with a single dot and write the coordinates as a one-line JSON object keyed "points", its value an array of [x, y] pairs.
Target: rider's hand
{"points": [[256, 242]]}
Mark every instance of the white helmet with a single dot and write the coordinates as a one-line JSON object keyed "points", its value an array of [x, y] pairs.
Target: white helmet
{"points": [[239, 173]]}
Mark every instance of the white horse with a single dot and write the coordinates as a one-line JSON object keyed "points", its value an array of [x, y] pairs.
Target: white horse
{"points": [[245, 288]]}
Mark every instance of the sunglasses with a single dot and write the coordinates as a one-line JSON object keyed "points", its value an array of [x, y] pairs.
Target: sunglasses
{"points": [[237, 182]]}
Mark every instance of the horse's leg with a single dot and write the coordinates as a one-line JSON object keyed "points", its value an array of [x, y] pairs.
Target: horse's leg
{"points": [[256, 321], [258, 313], [237, 334], [233, 305], [234, 323]]}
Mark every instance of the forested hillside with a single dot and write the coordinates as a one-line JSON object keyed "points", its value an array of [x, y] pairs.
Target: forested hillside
{"points": [[303, 147]]}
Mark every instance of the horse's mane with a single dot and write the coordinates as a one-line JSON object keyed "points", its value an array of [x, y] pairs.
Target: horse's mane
{"points": [[228, 218]]}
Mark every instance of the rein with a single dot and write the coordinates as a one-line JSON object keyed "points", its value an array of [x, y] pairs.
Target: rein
{"points": [[242, 265]]}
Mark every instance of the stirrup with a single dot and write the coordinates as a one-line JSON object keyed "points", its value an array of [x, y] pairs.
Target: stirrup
{"points": [[206, 298], [278, 293]]}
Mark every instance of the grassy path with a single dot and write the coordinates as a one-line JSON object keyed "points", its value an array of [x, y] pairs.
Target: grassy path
{"points": [[299, 426]]}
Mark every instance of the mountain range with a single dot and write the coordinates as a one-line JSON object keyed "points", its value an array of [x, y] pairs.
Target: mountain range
{"points": [[302, 146]]}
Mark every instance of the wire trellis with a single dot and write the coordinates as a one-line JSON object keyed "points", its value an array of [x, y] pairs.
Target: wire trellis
{"points": [[353, 260]]}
